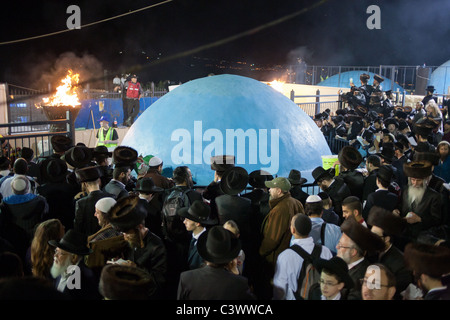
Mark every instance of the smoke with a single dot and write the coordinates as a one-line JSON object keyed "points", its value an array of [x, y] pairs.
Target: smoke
{"points": [[50, 70]]}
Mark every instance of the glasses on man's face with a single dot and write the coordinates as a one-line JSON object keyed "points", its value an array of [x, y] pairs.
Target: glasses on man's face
{"points": [[327, 283], [372, 285], [340, 246]]}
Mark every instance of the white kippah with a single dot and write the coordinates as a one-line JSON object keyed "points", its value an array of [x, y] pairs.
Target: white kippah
{"points": [[20, 185], [105, 204], [154, 161], [313, 198]]}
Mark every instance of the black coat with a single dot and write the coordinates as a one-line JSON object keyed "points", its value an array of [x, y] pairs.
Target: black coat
{"points": [[370, 184], [337, 192], [117, 190], [354, 180], [394, 261], [61, 203], [297, 193], [208, 283], [88, 285], [85, 221]]}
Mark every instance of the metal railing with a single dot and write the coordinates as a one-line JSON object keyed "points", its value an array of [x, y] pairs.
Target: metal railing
{"points": [[39, 141], [312, 108]]}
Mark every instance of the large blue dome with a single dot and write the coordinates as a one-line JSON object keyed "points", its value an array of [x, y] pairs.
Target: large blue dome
{"points": [[440, 78], [228, 114]]}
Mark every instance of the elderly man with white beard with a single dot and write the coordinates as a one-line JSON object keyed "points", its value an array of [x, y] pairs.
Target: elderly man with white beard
{"points": [[420, 205], [72, 276]]}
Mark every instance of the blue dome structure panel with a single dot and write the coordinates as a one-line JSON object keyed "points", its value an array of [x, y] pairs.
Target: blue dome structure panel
{"points": [[228, 114], [440, 78]]}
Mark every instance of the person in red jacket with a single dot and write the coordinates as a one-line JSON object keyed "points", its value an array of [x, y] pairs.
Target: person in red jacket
{"points": [[134, 93]]}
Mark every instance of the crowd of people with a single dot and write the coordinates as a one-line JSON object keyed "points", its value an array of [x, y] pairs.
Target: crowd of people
{"points": [[92, 223]]}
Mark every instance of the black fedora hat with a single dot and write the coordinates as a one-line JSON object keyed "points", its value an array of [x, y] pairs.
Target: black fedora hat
{"points": [[387, 151], [127, 213], [147, 185], [53, 170], [74, 242], [320, 173], [257, 178], [218, 245], [61, 143], [198, 211], [430, 89], [78, 156], [101, 150], [295, 177], [124, 156], [337, 266], [234, 180], [88, 174], [349, 157], [378, 78]]}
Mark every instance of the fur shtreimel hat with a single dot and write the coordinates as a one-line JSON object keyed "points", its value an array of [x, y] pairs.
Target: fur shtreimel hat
{"points": [[61, 143], [362, 236], [386, 220], [119, 282], [427, 259], [124, 156], [127, 213], [350, 157], [88, 174], [417, 169]]}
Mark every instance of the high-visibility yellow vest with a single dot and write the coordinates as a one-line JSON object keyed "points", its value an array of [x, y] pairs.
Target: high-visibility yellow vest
{"points": [[108, 136]]}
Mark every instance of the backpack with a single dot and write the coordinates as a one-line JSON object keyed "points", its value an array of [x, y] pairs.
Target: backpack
{"points": [[172, 224], [309, 274]]}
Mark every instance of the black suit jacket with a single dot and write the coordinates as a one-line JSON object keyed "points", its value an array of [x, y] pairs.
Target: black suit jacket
{"points": [[338, 191], [370, 184], [429, 209], [356, 273], [393, 260], [85, 221], [208, 283]]}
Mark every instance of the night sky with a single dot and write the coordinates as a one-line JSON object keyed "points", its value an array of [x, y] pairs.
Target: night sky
{"points": [[333, 32]]}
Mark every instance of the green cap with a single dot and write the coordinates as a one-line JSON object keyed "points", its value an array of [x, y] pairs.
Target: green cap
{"points": [[280, 182]]}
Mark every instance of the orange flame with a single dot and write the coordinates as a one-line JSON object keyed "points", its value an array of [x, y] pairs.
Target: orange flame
{"points": [[277, 85], [66, 94]]}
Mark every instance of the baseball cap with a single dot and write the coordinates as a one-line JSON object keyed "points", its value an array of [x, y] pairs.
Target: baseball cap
{"points": [[279, 182]]}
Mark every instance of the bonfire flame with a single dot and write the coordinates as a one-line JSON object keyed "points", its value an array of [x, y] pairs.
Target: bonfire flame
{"points": [[277, 85], [66, 94]]}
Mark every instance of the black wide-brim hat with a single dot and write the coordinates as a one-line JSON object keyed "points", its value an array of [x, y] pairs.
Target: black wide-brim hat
{"points": [[147, 185], [362, 236], [53, 170], [78, 156], [389, 121], [387, 151], [378, 78], [339, 267], [349, 157], [295, 177], [127, 213], [101, 150], [385, 173], [218, 245], [199, 212], [320, 173], [430, 88], [74, 242], [61, 143], [257, 178], [124, 156], [234, 181], [118, 282]]}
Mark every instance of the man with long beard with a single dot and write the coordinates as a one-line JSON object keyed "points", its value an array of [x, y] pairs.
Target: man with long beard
{"points": [[420, 205], [72, 276]]}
